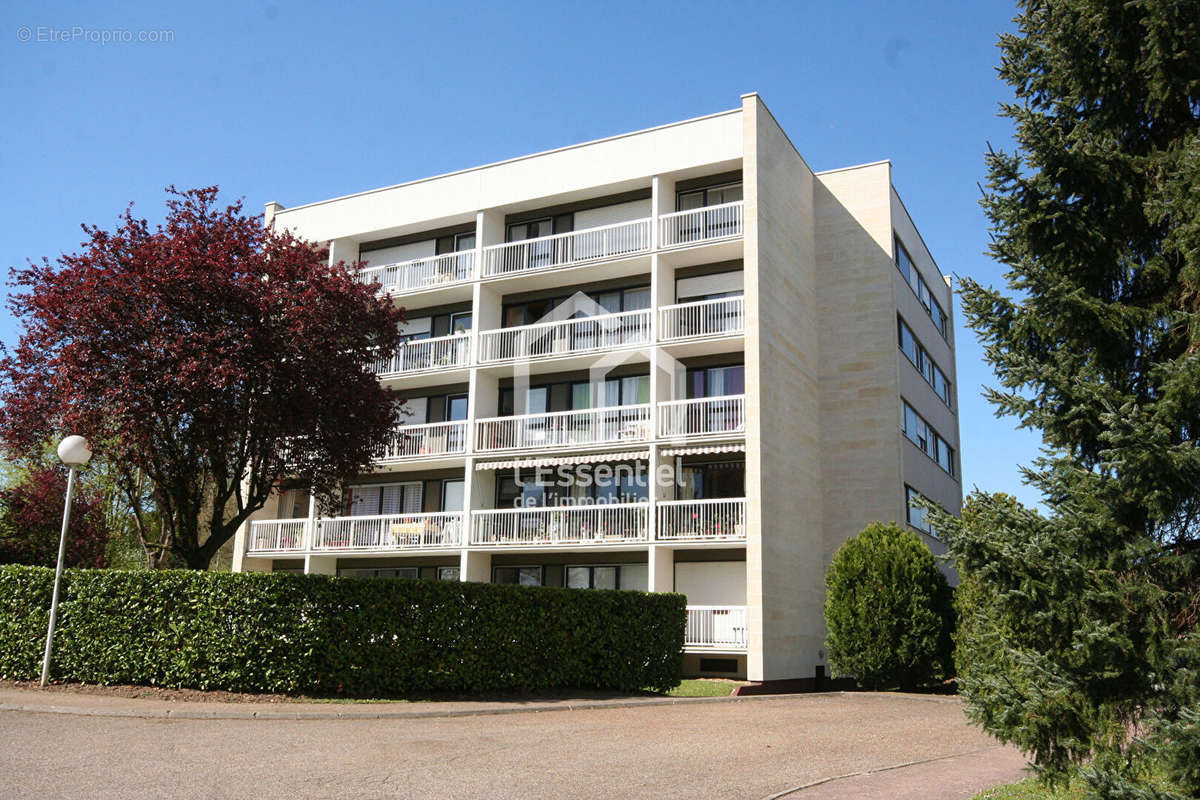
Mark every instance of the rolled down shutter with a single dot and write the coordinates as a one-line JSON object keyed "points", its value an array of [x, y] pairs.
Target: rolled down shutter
{"points": [[364, 501]]}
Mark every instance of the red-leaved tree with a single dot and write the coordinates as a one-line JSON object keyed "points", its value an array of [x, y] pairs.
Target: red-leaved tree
{"points": [[31, 521], [207, 358]]}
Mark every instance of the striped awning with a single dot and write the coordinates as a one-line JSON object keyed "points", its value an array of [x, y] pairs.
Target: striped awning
{"points": [[586, 458], [702, 451]]}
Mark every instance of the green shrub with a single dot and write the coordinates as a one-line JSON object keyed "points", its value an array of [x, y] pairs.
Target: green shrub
{"points": [[262, 632], [888, 610]]}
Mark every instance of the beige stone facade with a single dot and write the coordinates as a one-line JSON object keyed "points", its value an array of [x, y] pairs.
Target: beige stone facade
{"points": [[693, 301]]}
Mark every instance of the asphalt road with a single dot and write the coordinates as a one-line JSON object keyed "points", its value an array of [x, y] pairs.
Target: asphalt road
{"points": [[749, 749]]}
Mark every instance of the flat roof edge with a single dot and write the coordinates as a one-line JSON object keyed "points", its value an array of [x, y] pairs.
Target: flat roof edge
{"points": [[511, 160], [855, 166]]}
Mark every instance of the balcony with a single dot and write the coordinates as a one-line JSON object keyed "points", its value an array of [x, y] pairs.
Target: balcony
{"points": [[716, 628], [433, 440], [601, 523], [704, 416], [423, 355], [420, 274], [595, 426], [276, 536], [585, 335], [567, 249], [724, 316], [716, 520], [700, 225], [389, 532]]}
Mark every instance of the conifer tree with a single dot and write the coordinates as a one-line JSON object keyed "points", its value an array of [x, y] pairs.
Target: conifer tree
{"points": [[1091, 653]]}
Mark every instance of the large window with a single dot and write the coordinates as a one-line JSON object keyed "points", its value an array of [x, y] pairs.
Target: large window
{"points": [[722, 479], [631, 577], [919, 432], [613, 301], [390, 499], [585, 484], [908, 269], [716, 381], [577, 396], [917, 517], [924, 363], [521, 576], [708, 196], [411, 573]]}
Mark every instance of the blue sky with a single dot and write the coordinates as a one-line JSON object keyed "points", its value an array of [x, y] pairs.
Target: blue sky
{"points": [[298, 102]]}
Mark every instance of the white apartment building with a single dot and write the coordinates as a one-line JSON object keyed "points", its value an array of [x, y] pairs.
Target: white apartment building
{"points": [[723, 363]]}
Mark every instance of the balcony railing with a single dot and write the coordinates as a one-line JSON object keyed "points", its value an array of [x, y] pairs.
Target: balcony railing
{"points": [[700, 225], [421, 273], [276, 536], [419, 355], [609, 425], [390, 532], [601, 523], [720, 519], [426, 441], [565, 249], [585, 335], [716, 628], [704, 416], [723, 316]]}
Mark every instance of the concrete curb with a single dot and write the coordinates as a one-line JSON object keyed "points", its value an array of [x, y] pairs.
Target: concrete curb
{"points": [[394, 711], [368, 712]]}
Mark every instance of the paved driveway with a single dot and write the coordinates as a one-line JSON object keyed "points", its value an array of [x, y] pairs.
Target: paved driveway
{"points": [[752, 748]]}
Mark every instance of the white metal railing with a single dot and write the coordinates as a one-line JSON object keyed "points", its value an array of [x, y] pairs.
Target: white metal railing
{"points": [[433, 439], [720, 317], [703, 416], [418, 355], [700, 224], [389, 532], [421, 273], [563, 428], [275, 535], [718, 519], [587, 334], [564, 249], [716, 627], [600, 523]]}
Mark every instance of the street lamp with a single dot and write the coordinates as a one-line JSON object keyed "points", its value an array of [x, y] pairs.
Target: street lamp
{"points": [[74, 452]]}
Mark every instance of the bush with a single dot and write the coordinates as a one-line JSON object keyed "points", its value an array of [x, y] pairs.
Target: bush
{"points": [[31, 513], [273, 632], [888, 610]]}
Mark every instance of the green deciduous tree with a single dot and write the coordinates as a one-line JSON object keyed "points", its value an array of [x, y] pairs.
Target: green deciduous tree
{"points": [[1090, 654], [888, 611]]}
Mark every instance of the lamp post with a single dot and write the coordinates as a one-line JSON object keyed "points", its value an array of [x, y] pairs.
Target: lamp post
{"points": [[74, 452]]}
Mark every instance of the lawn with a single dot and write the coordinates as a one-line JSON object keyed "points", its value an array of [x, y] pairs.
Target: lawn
{"points": [[1030, 789], [704, 687]]}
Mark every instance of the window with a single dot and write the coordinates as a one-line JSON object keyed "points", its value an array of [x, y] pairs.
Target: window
{"points": [[521, 576], [917, 516], [908, 269], [709, 196], [390, 499], [460, 322], [456, 407], [447, 573], [412, 573], [921, 359], [917, 431], [452, 496], [612, 301], [711, 481], [630, 577], [717, 381], [718, 665]]}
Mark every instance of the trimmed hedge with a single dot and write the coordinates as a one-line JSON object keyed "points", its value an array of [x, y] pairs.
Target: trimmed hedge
{"points": [[315, 634]]}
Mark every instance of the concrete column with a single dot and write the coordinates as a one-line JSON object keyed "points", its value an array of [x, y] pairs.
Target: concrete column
{"points": [[320, 565], [475, 566], [661, 569]]}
